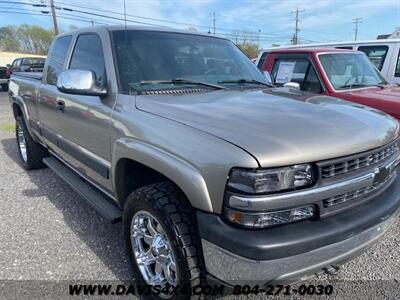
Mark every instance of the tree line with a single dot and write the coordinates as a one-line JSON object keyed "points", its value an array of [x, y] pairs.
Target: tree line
{"points": [[26, 38]]}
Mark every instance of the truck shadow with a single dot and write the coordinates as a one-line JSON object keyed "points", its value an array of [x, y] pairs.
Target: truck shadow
{"points": [[103, 238]]}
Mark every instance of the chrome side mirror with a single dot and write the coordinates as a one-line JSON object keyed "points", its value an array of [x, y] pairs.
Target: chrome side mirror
{"points": [[268, 77], [292, 85], [80, 82]]}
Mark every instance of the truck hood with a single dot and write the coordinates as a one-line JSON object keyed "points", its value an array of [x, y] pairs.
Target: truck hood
{"points": [[278, 129], [386, 99]]}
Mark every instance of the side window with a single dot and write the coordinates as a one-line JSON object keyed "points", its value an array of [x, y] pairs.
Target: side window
{"points": [[312, 83], [397, 71], [297, 70], [57, 58], [376, 54], [16, 64], [294, 73], [262, 59], [88, 55]]}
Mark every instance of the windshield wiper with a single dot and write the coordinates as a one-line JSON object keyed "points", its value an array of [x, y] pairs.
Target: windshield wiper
{"points": [[381, 84], [356, 85], [183, 81], [241, 81]]}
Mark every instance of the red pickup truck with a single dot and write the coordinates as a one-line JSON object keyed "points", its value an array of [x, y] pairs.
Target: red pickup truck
{"points": [[340, 73]]}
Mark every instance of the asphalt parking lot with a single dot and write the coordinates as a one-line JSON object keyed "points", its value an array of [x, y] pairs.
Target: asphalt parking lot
{"points": [[48, 233]]}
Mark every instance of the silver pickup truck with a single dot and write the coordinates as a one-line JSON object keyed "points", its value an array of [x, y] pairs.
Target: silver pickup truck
{"points": [[216, 176]]}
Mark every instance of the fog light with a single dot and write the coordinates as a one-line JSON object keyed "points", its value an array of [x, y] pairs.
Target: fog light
{"points": [[265, 219]]}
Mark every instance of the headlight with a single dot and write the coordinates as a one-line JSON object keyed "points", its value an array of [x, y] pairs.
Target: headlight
{"points": [[267, 219], [272, 180]]}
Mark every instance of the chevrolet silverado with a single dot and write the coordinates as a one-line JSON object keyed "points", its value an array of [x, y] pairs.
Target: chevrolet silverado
{"points": [[216, 176]]}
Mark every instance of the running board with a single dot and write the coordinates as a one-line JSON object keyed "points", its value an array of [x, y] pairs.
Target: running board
{"points": [[90, 194]]}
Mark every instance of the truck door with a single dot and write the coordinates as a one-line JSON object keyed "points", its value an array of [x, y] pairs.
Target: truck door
{"points": [[298, 69], [49, 116], [85, 138]]}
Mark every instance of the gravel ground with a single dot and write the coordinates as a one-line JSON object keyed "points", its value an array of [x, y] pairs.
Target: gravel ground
{"points": [[48, 233]]}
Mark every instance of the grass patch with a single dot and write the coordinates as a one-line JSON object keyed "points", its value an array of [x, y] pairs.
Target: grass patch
{"points": [[8, 127]]}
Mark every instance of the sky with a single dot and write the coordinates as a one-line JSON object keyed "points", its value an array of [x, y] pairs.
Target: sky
{"points": [[262, 21]]}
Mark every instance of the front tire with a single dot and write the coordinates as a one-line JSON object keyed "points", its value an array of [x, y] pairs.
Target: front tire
{"points": [[4, 87], [30, 152], [158, 222]]}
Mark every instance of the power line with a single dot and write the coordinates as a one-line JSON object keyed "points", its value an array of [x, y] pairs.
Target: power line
{"points": [[9, 7], [296, 30], [44, 15], [207, 27], [135, 16], [66, 7], [356, 21]]}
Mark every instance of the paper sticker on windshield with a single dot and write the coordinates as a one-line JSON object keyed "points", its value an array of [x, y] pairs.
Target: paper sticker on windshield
{"points": [[285, 72]]}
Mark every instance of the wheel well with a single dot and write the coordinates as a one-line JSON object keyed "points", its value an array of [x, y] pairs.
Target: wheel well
{"points": [[131, 175], [16, 110]]}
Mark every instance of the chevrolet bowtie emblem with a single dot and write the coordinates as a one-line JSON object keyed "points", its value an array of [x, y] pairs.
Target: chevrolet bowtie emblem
{"points": [[381, 175]]}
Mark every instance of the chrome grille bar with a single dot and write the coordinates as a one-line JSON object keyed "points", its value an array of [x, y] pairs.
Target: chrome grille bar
{"points": [[338, 199], [351, 165]]}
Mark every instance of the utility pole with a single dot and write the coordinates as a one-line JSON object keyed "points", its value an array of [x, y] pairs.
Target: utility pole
{"points": [[214, 20], [296, 29], [356, 21], [53, 13]]}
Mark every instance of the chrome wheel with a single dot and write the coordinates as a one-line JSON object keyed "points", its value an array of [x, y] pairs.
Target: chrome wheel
{"points": [[22, 143], [152, 250]]}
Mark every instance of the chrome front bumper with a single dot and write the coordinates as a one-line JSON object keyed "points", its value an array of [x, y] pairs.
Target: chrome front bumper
{"points": [[233, 269], [3, 80]]}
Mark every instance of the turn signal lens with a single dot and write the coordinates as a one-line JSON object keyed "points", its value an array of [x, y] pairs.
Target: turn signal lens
{"points": [[266, 219]]}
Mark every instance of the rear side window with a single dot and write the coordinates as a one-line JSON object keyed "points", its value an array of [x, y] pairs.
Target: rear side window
{"points": [[297, 70], [397, 71], [16, 63], [88, 55], [57, 58], [297, 74], [376, 54], [262, 59]]}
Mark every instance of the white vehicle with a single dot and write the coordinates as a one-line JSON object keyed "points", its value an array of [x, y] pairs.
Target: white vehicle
{"points": [[384, 54]]}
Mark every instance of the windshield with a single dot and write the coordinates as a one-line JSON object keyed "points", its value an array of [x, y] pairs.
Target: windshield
{"points": [[350, 70], [144, 58]]}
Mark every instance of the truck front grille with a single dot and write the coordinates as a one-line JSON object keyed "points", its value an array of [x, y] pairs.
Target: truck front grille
{"points": [[329, 202], [352, 164]]}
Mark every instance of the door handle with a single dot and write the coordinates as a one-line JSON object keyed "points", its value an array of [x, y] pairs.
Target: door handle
{"points": [[60, 106]]}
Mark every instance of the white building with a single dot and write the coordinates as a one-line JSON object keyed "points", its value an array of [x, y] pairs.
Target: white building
{"points": [[394, 35]]}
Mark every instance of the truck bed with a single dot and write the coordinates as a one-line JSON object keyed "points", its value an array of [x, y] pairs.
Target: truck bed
{"points": [[25, 83], [30, 75]]}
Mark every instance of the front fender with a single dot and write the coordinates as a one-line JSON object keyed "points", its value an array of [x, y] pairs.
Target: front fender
{"points": [[181, 172]]}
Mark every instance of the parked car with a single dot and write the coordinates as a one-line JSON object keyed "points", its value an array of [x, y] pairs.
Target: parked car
{"points": [[216, 177], [384, 54], [28, 64], [4, 77], [345, 74]]}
